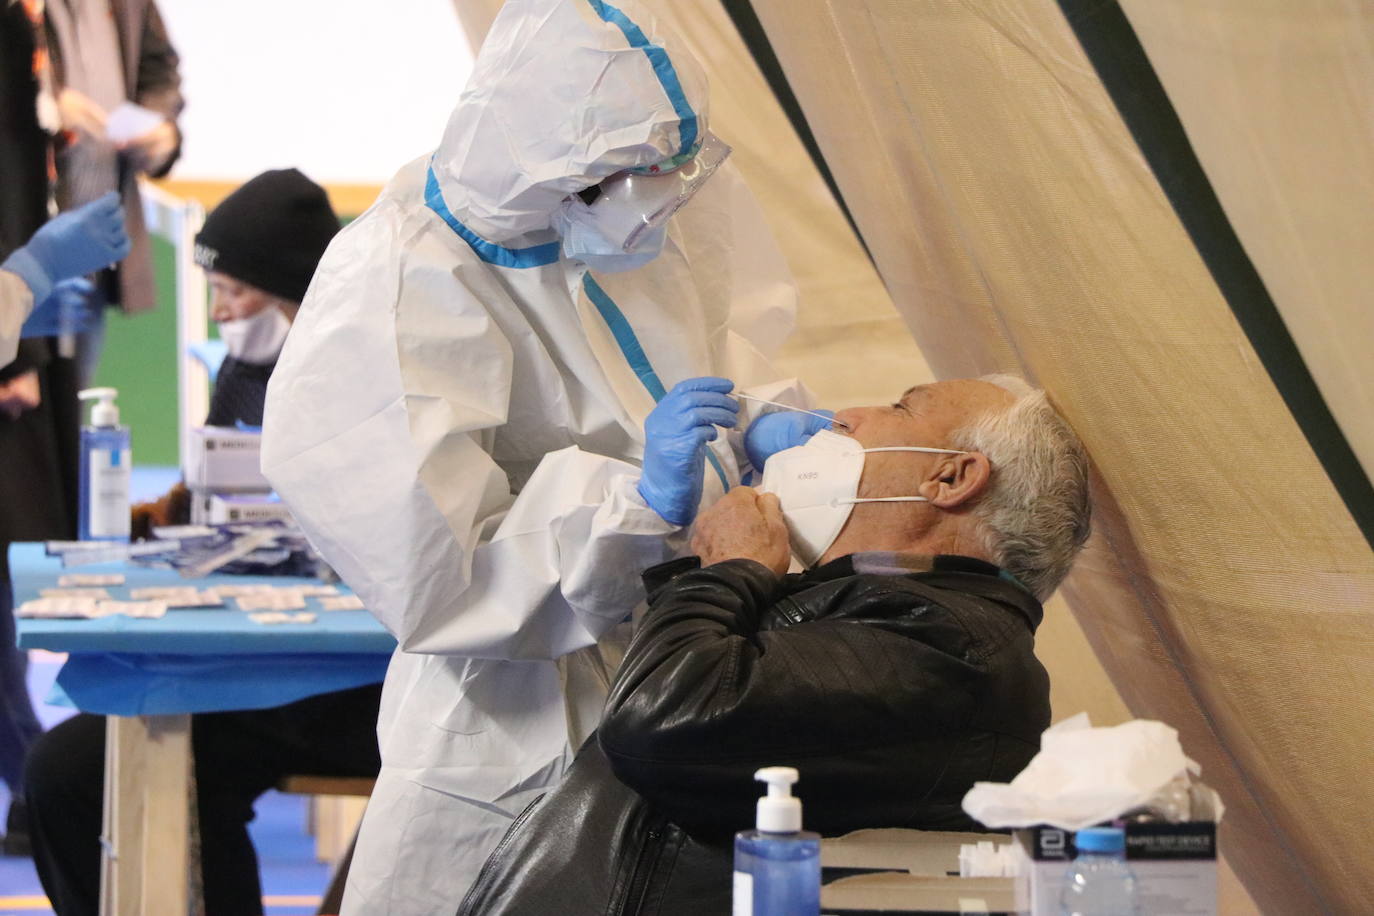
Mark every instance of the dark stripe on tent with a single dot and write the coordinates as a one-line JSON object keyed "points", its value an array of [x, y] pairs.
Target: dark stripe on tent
{"points": [[1125, 70], [761, 49]]}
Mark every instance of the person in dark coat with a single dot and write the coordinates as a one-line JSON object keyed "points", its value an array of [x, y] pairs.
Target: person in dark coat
{"points": [[102, 53], [892, 675], [38, 428]]}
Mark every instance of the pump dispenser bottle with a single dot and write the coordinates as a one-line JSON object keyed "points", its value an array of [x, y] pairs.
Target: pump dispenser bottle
{"points": [[777, 865], [106, 463]]}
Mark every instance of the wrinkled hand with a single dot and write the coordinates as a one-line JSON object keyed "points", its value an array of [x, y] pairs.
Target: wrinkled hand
{"points": [[19, 394], [783, 429], [675, 437], [69, 310], [80, 113], [71, 244], [743, 524], [149, 152]]}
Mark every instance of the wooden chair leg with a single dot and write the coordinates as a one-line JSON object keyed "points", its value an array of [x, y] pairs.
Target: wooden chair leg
{"points": [[332, 901]]}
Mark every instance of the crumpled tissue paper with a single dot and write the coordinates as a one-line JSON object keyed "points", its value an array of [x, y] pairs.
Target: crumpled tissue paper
{"points": [[1084, 776]]}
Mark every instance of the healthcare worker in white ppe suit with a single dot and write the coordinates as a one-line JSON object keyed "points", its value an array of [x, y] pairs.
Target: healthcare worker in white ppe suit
{"points": [[458, 419]]}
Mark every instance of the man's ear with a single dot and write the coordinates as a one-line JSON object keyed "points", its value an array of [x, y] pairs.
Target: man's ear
{"points": [[957, 480]]}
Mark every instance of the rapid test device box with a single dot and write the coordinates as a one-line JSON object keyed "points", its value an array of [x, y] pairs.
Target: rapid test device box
{"points": [[1175, 867], [225, 460]]}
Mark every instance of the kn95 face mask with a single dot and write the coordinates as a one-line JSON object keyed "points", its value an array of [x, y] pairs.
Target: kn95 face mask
{"points": [[818, 485]]}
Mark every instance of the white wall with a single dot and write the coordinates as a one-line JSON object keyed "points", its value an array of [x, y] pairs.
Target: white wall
{"points": [[345, 90]]}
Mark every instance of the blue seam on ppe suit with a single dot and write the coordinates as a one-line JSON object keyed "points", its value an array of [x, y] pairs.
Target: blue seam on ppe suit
{"points": [[663, 69], [537, 256], [634, 353]]}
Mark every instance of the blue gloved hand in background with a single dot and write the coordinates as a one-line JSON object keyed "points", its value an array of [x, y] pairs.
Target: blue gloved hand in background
{"points": [[71, 244], [675, 434], [780, 430], [68, 310]]}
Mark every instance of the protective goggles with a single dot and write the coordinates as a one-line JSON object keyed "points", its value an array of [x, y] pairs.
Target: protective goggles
{"points": [[632, 204]]}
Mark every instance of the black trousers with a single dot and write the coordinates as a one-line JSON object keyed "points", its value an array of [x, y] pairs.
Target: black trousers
{"points": [[238, 756]]}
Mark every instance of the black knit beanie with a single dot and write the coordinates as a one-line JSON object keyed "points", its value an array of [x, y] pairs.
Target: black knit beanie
{"points": [[270, 233]]}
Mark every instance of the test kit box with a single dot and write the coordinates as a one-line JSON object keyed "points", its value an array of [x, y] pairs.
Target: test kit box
{"points": [[225, 459], [227, 508], [1175, 867], [898, 872]]}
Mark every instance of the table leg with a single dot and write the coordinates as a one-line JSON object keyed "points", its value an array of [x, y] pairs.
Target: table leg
{"points": [[144, 861]]}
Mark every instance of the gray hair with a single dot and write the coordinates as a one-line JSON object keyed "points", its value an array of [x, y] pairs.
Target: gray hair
{"points": [[1036, 512]]}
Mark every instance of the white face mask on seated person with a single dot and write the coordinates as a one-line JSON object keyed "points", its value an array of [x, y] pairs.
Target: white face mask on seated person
{"points": [[257, 339], [817, 485], [625, 224]]}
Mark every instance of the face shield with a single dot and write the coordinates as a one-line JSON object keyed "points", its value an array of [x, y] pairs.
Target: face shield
{"points": [[628, 211]]}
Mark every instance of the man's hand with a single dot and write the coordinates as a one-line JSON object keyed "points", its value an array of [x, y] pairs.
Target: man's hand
{"points": [[744, 525], [149, 152], [80, 113], [19, 394]]}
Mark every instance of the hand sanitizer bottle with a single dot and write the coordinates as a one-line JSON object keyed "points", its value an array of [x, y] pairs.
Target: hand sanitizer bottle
{"points": [[106, 463], [777, 865]]}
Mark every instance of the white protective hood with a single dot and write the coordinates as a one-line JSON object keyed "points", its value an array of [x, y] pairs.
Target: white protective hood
{"points": [[561, 96]]}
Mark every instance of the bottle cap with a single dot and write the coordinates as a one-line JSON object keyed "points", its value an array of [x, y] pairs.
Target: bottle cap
{"points": [[778, 811], [1100, 839], [104, 413]]}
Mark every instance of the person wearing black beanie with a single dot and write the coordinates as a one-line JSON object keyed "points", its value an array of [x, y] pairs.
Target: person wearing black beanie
{"points": [[259, 247], [270, 234]]}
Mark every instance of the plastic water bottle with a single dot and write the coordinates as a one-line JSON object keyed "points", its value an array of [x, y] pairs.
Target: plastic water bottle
{"points": [[1099, 883]]}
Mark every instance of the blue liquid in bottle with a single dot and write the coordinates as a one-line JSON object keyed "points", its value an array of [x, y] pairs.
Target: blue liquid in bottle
{"points": [[779, 873], [106, 466], [777, 864]]}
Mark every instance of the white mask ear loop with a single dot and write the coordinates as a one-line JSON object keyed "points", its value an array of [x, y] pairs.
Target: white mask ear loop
{"points": [[898, 499]]}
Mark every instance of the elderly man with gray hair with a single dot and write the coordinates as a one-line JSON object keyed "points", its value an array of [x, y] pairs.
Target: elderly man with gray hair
{"points": [[895, 671]]}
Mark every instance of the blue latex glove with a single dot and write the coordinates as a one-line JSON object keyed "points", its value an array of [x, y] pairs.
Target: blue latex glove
{"points": [[68, 310], [780, 430], [675, 434], [71, 244]]}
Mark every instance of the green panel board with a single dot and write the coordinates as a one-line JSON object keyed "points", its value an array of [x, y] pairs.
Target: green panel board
{"points": [[139, 358]]}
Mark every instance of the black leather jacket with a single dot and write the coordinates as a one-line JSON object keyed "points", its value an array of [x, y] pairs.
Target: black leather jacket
{"points": [[890, 693]]}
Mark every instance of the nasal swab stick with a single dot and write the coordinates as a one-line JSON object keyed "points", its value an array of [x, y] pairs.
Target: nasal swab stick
{"points": [[750, 397]]}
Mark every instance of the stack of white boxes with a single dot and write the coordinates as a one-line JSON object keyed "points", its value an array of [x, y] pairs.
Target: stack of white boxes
{"points": [[224, 474]]}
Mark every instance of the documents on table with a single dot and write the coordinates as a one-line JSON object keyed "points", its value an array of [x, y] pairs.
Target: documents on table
{"points": [[270, 617], [178, 596], [73, 580], [74, 593], [287, 600], [89, 608], [88, 596]]}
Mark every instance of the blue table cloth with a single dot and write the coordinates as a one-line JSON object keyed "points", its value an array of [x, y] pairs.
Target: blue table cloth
{"points": [[195, 660]]}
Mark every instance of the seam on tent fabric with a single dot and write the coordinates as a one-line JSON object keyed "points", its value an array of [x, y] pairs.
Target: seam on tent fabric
{"points": [[1117, 55], [755, 38], [1120, 60], [663, 69], [634, 354], [492, 253]]}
